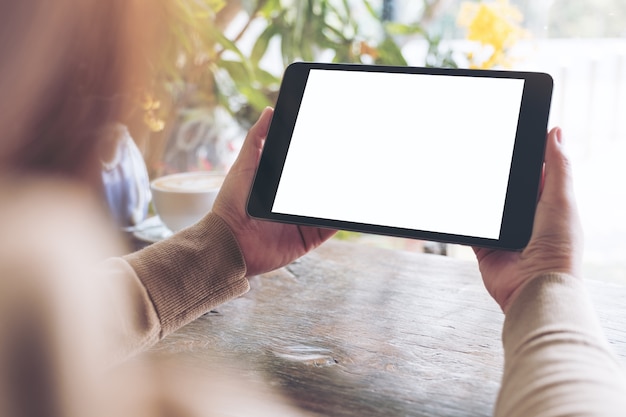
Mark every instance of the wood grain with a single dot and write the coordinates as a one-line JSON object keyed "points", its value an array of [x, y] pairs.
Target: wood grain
{"points": [[350, 330]]}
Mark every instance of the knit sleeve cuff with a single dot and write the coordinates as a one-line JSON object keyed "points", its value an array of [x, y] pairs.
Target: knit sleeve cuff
{"points": [[553, 302], [191, 272]]}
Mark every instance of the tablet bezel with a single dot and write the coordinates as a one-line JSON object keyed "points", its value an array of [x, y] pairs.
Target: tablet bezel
{"points": [[524, 178]]}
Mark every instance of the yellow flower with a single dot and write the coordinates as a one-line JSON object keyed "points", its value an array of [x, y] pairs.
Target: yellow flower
{"points": [[150, 105], [148, 102], [154, 123], [495, 26]]}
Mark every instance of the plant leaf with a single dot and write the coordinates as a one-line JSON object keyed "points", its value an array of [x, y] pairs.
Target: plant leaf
{"points": [[390, 53], [262, 43], [395, 28]]}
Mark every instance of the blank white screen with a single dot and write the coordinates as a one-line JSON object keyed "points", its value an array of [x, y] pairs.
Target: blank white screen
{"points": [[415, 151]]}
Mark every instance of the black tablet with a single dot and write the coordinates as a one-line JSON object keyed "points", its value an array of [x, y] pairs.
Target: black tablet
{"points": [[450, 155]]}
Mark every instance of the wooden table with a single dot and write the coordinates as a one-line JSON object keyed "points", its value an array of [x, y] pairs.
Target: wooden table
{"points": [[350, 330]]}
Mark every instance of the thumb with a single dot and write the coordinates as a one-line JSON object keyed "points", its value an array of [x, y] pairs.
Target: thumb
{"points": [[558, 185], [231, 199], [557, 217], [253, 144]]}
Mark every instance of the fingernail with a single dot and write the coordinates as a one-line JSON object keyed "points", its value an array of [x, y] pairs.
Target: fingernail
{"points": [[262, 115], [559, 136]]}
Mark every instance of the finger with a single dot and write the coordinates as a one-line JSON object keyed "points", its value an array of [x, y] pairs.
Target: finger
{"points": [[557, 185], [557, 211], [253, 143]]}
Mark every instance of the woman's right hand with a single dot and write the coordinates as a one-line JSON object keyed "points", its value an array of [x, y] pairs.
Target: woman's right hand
{"points": [[556, 242]]}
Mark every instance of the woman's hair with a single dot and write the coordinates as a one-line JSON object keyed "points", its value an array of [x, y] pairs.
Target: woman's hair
{"points": [[67, 69]]}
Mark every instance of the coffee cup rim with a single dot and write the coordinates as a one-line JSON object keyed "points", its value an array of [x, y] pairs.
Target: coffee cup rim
{"points": [[154, 186]]}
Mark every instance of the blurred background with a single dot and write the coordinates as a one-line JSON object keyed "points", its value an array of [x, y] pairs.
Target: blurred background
{"points": [[223, 61]]}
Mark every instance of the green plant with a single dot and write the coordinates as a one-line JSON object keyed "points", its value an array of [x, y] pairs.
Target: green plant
{"points": [[199, 68], [313, 30], [193, 69]]}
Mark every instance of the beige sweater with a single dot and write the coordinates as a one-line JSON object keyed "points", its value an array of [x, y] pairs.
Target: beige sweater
{"points": [[178, 280], [557, 359]]}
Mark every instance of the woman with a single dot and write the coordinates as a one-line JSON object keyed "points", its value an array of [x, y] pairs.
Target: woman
{"points": [[65, 314]]}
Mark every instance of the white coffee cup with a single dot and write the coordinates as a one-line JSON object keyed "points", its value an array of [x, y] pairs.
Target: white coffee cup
{"points": [[182, 199]]}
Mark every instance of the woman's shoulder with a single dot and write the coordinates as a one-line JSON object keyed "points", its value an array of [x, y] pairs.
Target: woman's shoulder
{"points": [[52, 219]]}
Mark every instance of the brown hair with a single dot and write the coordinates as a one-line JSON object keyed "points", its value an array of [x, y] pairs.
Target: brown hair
{"points": [[68, 68]]}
